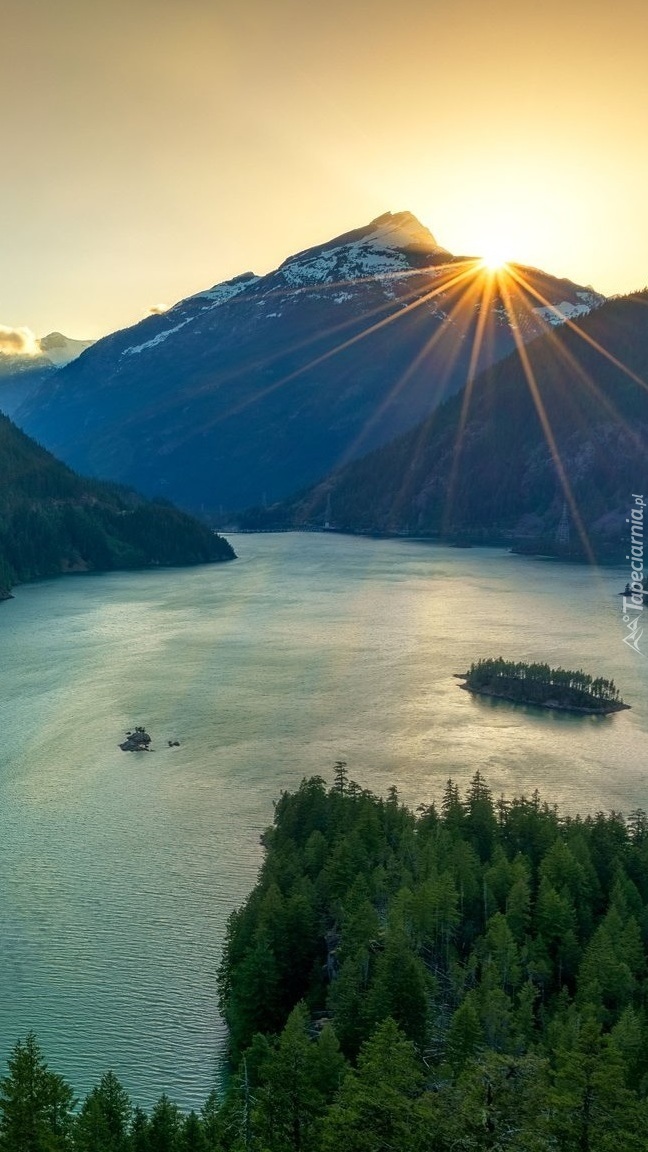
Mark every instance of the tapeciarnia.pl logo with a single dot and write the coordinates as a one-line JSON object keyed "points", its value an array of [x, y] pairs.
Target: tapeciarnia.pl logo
{"points": [[633, 598]]}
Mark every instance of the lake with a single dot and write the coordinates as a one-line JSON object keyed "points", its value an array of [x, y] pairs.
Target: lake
{"points": [[118, 871]]}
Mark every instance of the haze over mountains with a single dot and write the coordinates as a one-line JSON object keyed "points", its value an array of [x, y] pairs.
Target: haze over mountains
{"points": [[26, 362], [249, 390]]}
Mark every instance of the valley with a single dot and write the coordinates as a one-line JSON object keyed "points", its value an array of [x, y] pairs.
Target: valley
{"points": [[323, 583]]}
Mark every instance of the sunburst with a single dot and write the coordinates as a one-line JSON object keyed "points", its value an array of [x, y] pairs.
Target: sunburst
{"points": [[472, 288]]}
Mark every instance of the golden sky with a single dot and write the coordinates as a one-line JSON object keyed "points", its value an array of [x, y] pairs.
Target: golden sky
{"points": [[153, 148]]}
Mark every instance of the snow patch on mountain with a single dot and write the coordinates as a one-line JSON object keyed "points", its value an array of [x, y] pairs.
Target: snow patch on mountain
{"points": [[221, 293], [135, 349], [557, 313], [351, 262]]}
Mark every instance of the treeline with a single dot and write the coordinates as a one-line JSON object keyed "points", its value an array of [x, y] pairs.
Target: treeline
{"points": [[53, 521], [538, 683], [39, 1113], [466, 977]]}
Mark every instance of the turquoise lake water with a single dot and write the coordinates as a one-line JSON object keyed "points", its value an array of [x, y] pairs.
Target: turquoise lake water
{"points": [[118, 872]]}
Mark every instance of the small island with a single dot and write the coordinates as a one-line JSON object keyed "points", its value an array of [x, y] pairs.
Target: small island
{"points": [[630, 591], [542, 686], [136, 741]]}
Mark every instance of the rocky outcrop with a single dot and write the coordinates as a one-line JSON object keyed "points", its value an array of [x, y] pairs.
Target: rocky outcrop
{"points": [[136, 741]]}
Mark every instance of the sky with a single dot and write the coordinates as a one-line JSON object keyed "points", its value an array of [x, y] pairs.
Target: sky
{"points": [[151, 149]]}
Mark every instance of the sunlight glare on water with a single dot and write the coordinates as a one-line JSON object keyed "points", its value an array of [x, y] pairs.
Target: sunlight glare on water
{"points": [[118, 872]]}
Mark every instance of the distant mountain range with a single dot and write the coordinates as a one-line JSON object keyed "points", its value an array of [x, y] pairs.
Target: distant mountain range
{"points": [[53, 521], [260, 385], [23, 371], [545, 450]]}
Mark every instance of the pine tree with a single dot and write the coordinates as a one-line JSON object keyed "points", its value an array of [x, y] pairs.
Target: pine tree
{"points": [[138, 1137], [35, 1104], [192, 1136], [401, 990], [377, 1108], [465, 1034], [298, 1078], [104, 1120], [165, 1126]]}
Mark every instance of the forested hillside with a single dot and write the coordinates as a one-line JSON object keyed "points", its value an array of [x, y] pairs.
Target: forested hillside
{"points": [[468, 977], [482, 967], [560, 429], [53, 521]]}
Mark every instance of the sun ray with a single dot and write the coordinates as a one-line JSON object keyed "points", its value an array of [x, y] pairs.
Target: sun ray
{"points": [[412, 296], [524, 283], [552, 335], [469, 277], [488, 291], [482, 285], [325, 356], [546, 426], [351, 452], [461, 303]]}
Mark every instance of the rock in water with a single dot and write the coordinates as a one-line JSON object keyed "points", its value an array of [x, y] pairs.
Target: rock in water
{"points": [[136, 741]]}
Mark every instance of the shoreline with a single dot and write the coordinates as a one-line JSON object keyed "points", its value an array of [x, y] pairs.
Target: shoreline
{"points": [[550, 706], [498, 542]]}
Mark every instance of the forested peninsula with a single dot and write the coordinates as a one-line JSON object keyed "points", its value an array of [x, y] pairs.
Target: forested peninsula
{"points": [[469, 976], [53, 521]]}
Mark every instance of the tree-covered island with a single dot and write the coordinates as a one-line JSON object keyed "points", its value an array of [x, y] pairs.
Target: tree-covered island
{"points": [[545, 687]]}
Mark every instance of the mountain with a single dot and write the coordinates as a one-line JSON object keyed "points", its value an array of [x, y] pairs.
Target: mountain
{"points": [[26, 363], [498, 464], [60, 350], [53, 521], [261, 384]]}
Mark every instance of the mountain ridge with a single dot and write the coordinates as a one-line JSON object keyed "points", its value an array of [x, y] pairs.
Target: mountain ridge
{"points": [[256, 386]]}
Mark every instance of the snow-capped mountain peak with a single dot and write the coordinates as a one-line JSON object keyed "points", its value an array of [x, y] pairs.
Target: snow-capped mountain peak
{"points": [[391, 245], [401, 230], [260, 384], [60, 349], [26, 361]]}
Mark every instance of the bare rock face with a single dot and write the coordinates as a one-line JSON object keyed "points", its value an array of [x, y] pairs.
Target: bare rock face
{"points": [[136, 741]]}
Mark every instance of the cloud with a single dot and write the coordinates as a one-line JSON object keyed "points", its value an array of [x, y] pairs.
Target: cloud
{"points": [[18, 342], [158, 310]]}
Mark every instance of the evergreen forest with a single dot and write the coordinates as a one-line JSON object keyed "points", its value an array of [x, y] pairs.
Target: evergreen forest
{"points": [[53, 521], [467, 976], [540, 684]]}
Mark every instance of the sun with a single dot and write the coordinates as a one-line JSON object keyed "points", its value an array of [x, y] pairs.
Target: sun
{"points": [[494, 257]]}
